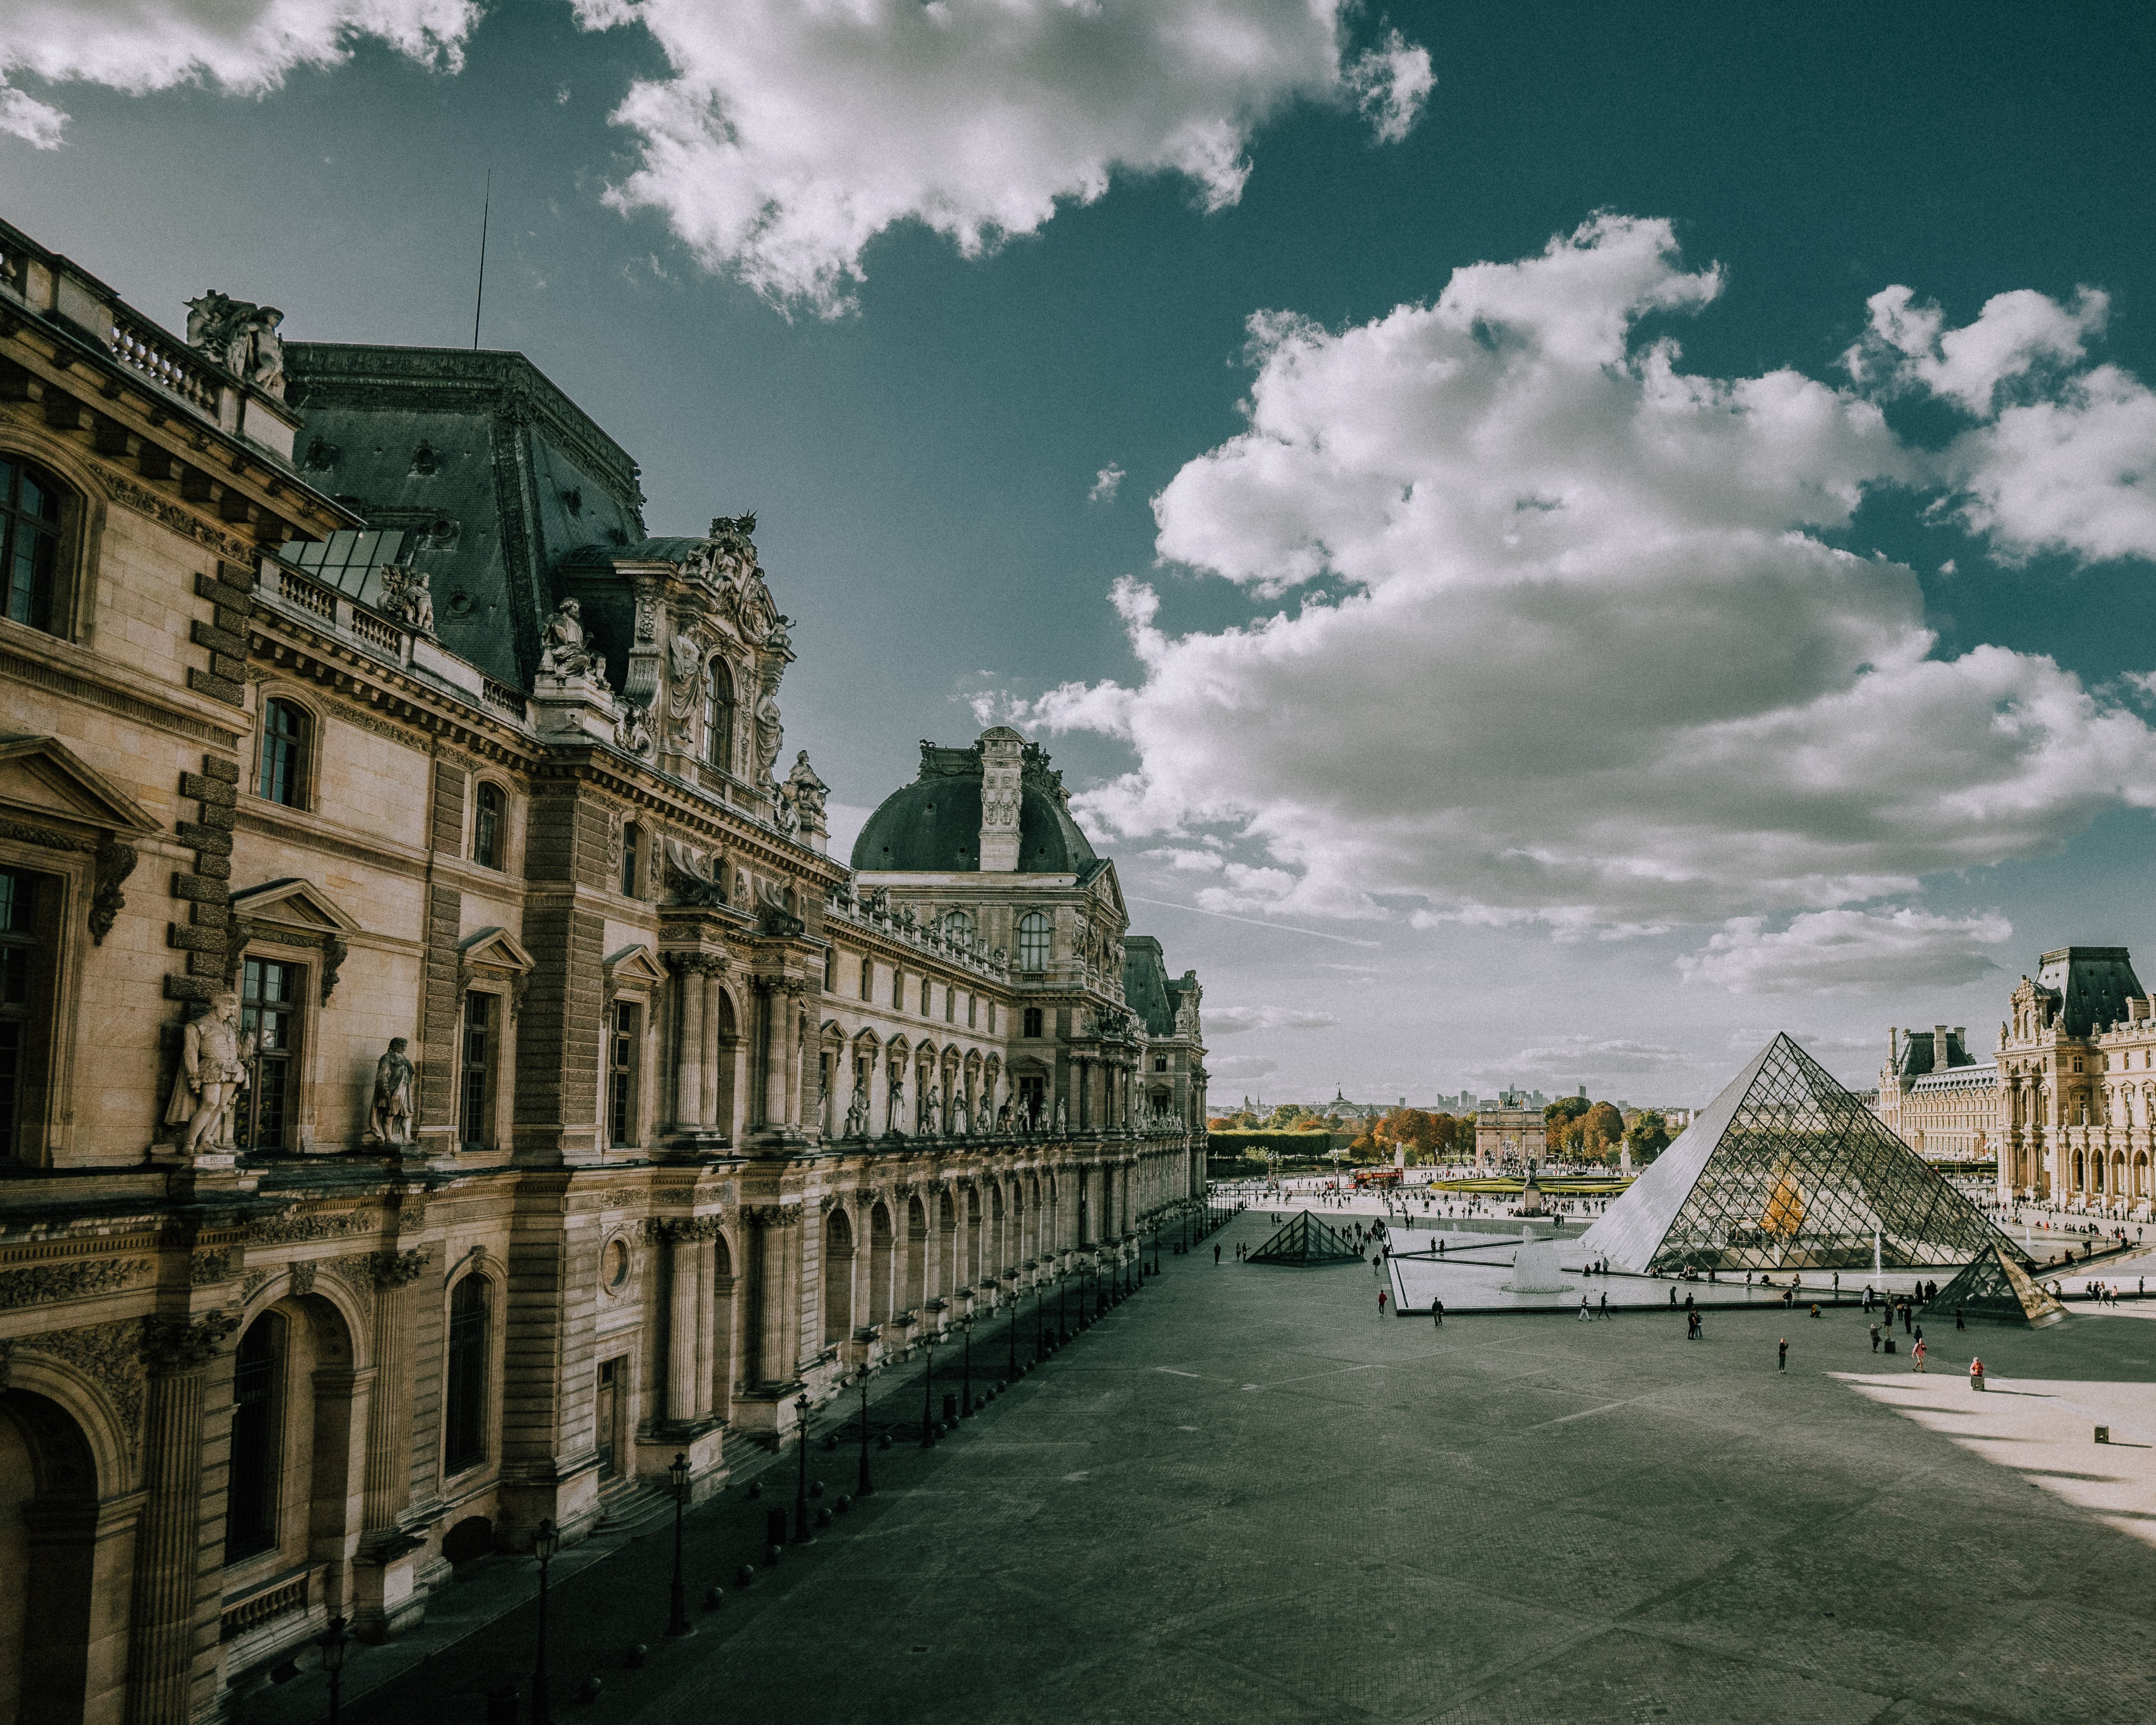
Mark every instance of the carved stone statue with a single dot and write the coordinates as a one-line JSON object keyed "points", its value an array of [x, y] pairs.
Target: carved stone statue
{"points": [[1061, 1126], [857, 1111], [931, 1111], [984, 1118], [786, 814], [240, 337], [809, 792], [770, 734], [633, 733], [562, 652], [406, 597], [897, 1076], [213, 1057], [1004, 1116], [389, 1120], [962, 1114]]}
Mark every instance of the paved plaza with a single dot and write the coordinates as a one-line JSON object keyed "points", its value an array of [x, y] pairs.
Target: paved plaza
{"points": [[1245, 1496]]}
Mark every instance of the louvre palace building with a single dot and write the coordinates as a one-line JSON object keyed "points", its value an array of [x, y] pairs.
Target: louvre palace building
{"points": [[444, 1075]]}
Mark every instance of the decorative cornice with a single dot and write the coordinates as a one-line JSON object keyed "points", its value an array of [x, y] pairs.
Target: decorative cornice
{"points": [[168, 514], [336, 1225], [42, 1284], [774, 1215], [396, 1270]]}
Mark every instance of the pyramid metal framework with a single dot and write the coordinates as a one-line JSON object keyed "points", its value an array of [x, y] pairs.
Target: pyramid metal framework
{"points": [[1305, 1242], [1787, 1170], [1996, 1288]]}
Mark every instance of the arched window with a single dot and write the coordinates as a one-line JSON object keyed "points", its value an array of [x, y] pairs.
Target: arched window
{"points": [[464, 1413], [868, 977], [284, 775], [29, 541], [925, 987], [489, 810], [630, 837], [958, 926], [1033, 941], [250, 1504], [719, 716]]}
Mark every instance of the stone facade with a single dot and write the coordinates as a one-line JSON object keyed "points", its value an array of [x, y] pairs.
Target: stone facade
{"points": [[441, 1087], [1506, 1136], [1942, 1102]]}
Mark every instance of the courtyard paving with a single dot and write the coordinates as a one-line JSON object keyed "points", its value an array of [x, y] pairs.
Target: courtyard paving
{"points": [[1244, 1496]]}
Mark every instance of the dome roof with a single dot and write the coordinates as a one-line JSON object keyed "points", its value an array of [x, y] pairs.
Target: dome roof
{"points": [[933, 825]]}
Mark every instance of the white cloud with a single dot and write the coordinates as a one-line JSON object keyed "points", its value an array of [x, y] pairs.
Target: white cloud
{"points": [[1588, 662], [2014, 333], [792, 132], [1583, 1055], [1237, 1068], [1233, 1020], [1189, 861], [142, 45], [1106, 484], [1849, 952]]}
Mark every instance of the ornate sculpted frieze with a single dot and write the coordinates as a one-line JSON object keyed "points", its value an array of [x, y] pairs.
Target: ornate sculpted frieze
{"points": [[395, 1269], [180, 1344], [41, 1283], [335, 1225], [110, 1355], [210, 1265]]}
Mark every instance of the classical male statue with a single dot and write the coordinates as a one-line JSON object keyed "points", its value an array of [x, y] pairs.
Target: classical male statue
{"points": [[1004, 1116], [213, 1057], [1061, 1126], [857, 1112], [562, 652], [962, 1114], [897, 1075], [931, 1110], [984, 1118], [389, 1120]]}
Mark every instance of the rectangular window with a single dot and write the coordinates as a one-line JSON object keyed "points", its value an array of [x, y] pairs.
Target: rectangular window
{"points": [[269, 997], [1160, 1063], [925, 987], [621, 1076], [628, 837], [24, 901], [463, 1438], [868, 977], [898, 990], [992, 1017], [1033, 1021], [475, 1090], [972, 1011], [950, 1005]]}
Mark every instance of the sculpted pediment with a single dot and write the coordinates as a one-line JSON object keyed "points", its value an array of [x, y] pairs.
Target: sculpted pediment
{"points": [[294, 903], [635, 966], [42, 776]]}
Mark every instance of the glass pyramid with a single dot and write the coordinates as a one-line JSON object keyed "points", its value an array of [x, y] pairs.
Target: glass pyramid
{"points": [[1786, 1170], [1996, 1288], [1306, 1240]]}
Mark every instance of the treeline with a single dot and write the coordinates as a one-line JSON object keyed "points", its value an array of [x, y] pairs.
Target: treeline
{"points": [[1575, 1129]]}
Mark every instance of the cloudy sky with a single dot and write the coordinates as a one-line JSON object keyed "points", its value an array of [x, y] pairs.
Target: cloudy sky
{"points": [[1552, 542]]}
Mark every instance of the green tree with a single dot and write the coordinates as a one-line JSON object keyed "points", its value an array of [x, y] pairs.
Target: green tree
{"points": [[1648, 1134]]}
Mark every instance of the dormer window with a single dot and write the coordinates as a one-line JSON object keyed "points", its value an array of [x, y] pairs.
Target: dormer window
{"points": [[719, 716]]}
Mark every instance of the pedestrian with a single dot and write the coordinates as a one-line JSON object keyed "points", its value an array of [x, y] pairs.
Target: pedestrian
{"points": [[1875, 1338], [1605, 1306], [1781, 1357], [1673, 1297], [1382, 1297], [1583, 1308], [1815, 1311], [1958, 1324], [1437, 1314], [1216, 1251], [1916, 1357]]}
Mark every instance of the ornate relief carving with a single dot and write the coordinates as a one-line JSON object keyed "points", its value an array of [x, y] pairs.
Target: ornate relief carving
{"points": [[335, 1225], [774, 1215], [303, 1277], [110, 1355], [144, 501], [250, 1282], [210, 1265], [620, 1199], [176, 1344], [395, 1269], [672, 1229], [41, 1283], [115, 862]]}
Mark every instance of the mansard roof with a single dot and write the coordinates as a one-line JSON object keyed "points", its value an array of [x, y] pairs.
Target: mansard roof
{"points": [[1146, 990], [933, 825], [2091, 984]]}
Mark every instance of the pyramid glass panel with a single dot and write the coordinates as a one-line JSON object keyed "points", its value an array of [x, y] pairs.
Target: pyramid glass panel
{"points": [[1788, 1171], [1306, 1240], [1996, 1288]]}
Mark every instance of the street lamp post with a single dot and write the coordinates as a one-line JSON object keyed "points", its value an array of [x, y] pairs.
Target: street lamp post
{"points": [[1039, 1324], [928, 1392], [1010, 1370], [335, 1644], [966, 1373], [677, 1623], [867, 1487], [545, 1541], [801, 1535]]}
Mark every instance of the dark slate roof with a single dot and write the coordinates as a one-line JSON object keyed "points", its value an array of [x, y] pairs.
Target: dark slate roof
{"points": [[2092, 984], [1919, 1057], [934, 824], [604, 556], [1146, 990]]}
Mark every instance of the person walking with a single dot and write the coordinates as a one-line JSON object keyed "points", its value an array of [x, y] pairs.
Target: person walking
{"points": [[1583, 1308], [1875, 1338], [1782, 1356], [1382, 1297], [1216, 1251], [1916, 1357], [1437, 1314], [1958, 1324]]}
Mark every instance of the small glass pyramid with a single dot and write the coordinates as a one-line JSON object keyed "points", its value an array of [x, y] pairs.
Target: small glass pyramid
{"points": [[1997, 1289], [1786, 1170], [1306, 1240]]}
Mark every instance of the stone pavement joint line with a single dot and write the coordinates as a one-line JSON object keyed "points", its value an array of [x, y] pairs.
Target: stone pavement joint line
{"points": [[1427, 1526]]}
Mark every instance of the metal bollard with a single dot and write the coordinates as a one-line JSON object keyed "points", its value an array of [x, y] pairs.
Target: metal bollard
{"points": [[501, 1706], [774, 1527]]}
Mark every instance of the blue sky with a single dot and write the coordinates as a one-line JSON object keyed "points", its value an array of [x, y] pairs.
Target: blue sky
{"points": [[1627, 701]]}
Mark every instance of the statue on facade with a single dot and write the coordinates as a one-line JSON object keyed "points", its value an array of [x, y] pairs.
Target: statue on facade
{"points": [[962, 1114], [784, 814], [563, 650], [685, 688], [896, 1074], [985, 1117], [406, 597], [857, 1111], [633, 733], [240, 337], [931, 1111], [389, 1118], [809, 792], [770, 734], [1060, 1119], [1004, 1116], [213, 1057]]}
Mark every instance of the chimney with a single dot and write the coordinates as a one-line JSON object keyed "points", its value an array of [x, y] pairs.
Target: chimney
{"points": [[1961, 1036], [1938, 1048], [1002, 755]]}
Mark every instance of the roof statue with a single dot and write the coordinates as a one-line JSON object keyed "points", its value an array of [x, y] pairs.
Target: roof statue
{"points": [[1787, 1170], [1995, 1287], [241, 337], [1306, 1242]]}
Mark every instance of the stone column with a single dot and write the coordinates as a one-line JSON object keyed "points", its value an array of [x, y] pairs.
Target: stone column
{"points": [[773, 991], [773, 1365], [1082, 1115], [160, 1627], [714, 1013], [707, 1316], [688, 1068], [388, 1476], [682, 1325]]}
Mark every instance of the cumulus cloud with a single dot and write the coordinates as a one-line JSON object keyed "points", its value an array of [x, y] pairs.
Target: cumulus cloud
{"points": [[1583, 653], [1106, 484], [2063, 459], [1232, 1020], [1848, 952], [792, 132], [1239, 1069], [142, 45], [1176, 856], [1589, 1054]]}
